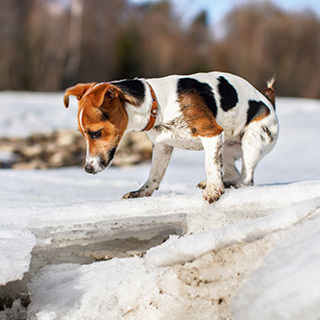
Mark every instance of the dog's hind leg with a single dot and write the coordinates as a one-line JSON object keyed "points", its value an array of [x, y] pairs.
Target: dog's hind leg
{"points": [[231, 152], [258, 139], [160, 160]]}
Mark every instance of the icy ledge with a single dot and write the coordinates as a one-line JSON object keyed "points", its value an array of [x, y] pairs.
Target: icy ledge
{"points": [[153, 287], [178, 250], [288, 280]]}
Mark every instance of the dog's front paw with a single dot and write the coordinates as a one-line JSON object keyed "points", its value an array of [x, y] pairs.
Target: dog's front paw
{"points": [[137, 194], [212, 194], [202, 185]]}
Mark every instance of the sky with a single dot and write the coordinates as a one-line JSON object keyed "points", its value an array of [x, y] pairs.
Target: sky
{"points": [[217, 9]]}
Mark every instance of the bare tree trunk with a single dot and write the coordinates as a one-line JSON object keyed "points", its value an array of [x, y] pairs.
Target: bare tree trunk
{"points": [[75, 39]]}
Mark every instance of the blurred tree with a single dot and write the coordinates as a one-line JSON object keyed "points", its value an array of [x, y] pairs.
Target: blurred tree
{"points": [[166, 46], [201, 39], [294, 43], [102, 21], [51, 44], [75, 40], [46, 44], [13, 20], [262, 40], [160, 39], [128, 53]]}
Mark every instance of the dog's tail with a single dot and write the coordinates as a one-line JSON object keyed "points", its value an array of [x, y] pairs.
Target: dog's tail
{"points": [[268, 92]]}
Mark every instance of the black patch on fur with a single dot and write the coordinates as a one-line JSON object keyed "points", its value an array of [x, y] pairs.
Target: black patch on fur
{"points": [[228, 94], [256, 109], [133, 88], [268, 132], [111, 154], [190, 85], [104, 115]]}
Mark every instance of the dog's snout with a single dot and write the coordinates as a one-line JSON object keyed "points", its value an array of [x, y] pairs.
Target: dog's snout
{"points": [[89, 168]]}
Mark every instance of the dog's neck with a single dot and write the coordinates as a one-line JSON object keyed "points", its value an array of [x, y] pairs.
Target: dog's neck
{"points": [[144, 116]]}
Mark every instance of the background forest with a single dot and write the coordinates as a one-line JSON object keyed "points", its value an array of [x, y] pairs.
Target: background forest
{"points": [[49, 45]]}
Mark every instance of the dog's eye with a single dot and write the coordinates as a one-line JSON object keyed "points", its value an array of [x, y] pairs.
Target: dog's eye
{"points": [[95, 134]]}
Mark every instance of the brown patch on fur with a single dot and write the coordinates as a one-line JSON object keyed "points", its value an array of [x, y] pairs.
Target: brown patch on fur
{"points": [[263, 114], [94, 100], [101, 93], [78, 91], [269, 93], [104, 98], [197, 116], [257, 111]]}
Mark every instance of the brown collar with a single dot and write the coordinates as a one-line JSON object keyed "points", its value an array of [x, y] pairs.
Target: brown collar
{"points": [[153, 111]]}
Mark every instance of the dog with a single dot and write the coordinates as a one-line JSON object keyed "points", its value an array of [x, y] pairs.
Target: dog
{"points": [[220, 113]]}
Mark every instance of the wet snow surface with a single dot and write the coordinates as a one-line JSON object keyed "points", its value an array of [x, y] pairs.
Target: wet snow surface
{"points": [[74, 250]]}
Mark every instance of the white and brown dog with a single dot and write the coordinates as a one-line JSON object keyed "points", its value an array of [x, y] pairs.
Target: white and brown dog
{"points": [[218, 112]]}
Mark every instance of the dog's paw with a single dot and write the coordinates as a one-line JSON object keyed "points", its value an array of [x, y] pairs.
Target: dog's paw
{"points": [[230, 184], [136, 194], [212, 194], [238, 183], [202, 185]]}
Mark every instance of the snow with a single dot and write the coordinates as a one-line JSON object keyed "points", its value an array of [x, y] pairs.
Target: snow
{"points": [[287, 280], [146, 288], [126, 283], [170, 256], [25, 113], [16, 246], [178, 250]]}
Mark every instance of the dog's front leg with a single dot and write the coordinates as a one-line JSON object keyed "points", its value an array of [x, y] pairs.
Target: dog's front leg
{"points": [[214, 188], [160, 160]]}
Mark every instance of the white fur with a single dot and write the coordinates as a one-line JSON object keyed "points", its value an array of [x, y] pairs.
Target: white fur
{"points": [[80, 120], [139, 116], [213, 152]]}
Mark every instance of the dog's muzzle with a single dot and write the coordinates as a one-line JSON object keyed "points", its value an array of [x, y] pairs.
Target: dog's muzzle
{"points": [[97, 164], [95, 168], [89, 169]]}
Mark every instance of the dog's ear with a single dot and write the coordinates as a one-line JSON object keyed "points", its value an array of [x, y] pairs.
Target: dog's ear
{"points": [[78, 91], [101, 92]]}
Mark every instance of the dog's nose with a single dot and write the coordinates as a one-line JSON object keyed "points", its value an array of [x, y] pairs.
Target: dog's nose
{"points": [[89, 169]]}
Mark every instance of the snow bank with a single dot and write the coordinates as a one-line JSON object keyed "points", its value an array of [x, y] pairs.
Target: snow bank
{"points": [[286, 286], [25, 113], [103, 290], [148, 288], [179, 250], [68, 197], [16, 246]]}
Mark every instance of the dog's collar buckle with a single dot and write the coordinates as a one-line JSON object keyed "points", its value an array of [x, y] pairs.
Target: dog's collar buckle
{"points": [[154, 110]]}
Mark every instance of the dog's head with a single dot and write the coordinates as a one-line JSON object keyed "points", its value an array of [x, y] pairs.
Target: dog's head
{"points": [[102, 119]]}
